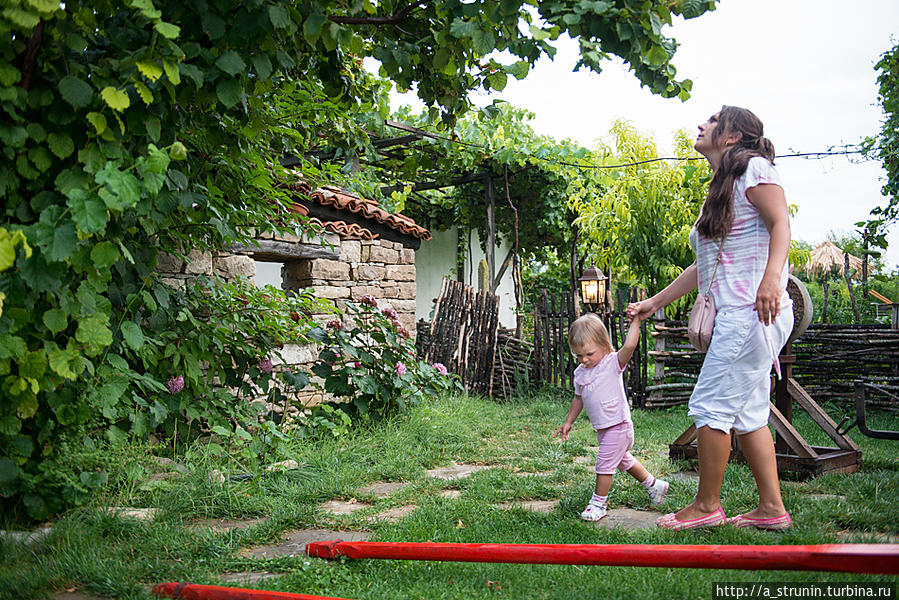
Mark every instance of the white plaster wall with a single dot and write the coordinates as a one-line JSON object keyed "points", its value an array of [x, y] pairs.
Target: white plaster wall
{"points": [[436, 259]]}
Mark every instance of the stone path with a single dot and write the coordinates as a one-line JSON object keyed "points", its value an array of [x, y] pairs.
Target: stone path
{"points": [[247, 579], [628, 518], [455, 471], [294, 542], [540, 506], [225, 525], [382, 489]]}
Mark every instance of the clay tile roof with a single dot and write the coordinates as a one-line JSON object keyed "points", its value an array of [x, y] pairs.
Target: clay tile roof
{"points": [[366, 209]]}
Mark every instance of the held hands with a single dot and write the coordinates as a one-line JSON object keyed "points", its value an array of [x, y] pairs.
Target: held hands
{"points": [[562, 432], [767, 300], [640, 310]]}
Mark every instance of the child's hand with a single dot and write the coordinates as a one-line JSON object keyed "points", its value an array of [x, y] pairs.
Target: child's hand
{"points": [[562, 432]]}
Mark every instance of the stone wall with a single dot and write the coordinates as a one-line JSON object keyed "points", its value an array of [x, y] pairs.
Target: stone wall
{"points": [[335, 268]]}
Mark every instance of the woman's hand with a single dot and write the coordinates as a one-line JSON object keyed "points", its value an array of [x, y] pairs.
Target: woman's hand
{"points": [[767, 300]]}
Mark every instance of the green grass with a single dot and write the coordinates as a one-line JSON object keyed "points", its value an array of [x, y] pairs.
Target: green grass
{"points": [[108, 555]]}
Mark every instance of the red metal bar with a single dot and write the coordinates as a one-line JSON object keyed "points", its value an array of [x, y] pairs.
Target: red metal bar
{"points": [[848, 558], [195, 591]]}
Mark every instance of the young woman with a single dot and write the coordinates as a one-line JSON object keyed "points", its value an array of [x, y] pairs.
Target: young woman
{"points": [[744, 229]]}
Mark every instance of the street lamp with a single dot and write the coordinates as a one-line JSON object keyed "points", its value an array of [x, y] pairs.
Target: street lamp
{"points": [[593, 288]]}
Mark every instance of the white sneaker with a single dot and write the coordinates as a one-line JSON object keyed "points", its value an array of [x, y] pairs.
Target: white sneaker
{"points": [[657, 491], [593, 512]]}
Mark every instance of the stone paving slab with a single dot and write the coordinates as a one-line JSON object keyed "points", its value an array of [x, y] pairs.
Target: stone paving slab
{"points": [[452, 494], [141, 514], [585, 460], [394, 514], [340, 507], [541, 506], [629, 518], [534, 474], [247, 578], [25, 537], [294, 542], [683, 476], [382, 489], [455, 471], [225, 525]]}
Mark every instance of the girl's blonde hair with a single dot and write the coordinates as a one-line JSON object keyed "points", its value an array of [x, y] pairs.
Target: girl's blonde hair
{"points": [[589, 328]]}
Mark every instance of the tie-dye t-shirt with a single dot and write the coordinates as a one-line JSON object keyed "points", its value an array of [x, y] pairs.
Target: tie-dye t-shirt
{"points": [[745, 253]]}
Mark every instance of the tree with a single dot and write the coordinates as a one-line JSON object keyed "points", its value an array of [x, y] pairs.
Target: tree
{"points": [[640, 215], [885, 146], [134, 126]]}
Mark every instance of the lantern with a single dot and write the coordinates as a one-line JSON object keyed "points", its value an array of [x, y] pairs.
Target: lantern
{"points": [[593, 288]]}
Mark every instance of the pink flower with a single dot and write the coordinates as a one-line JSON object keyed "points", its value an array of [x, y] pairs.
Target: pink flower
{"points": [[395, 323], [357, 364], [175, 384], [265, 365], [335, 324], [389, 313], [403, 331], [368, 299], [400, 369], [440, 368]]}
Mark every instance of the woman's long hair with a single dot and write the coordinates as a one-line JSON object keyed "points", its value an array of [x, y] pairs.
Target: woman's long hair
{"points": [[717, 214]]}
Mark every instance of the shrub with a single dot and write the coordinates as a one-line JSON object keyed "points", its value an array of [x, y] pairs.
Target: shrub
{"points": [[369, 358]]}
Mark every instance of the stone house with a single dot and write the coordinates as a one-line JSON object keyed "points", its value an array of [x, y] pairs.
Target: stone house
{"points": [[363, 250]]}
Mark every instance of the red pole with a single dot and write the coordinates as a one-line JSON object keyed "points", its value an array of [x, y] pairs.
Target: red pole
{"points": [[848, 558], [195, 591]]}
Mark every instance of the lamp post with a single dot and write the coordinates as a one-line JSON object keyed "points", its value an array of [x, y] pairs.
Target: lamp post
{"points": [[593, 288]]}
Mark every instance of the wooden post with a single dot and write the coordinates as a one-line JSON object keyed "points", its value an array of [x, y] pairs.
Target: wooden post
{"points": [[491, 229]]}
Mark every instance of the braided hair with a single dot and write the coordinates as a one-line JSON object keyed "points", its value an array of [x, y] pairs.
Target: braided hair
{"points": [[717, 213]]}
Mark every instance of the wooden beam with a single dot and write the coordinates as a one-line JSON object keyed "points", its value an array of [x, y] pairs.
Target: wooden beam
{"points": [[284, 251], [818, 415], [502, 270], [786, 430], [491, 228]]}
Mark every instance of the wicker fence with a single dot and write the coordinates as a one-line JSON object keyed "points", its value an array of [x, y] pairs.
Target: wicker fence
{"points": [[829, 358]]}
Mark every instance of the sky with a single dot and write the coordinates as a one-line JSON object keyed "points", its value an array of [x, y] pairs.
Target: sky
{"points": [[805, 67]]}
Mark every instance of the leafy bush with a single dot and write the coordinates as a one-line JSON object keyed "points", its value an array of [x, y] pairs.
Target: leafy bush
{"points": [[178, 362], [369, 358]]}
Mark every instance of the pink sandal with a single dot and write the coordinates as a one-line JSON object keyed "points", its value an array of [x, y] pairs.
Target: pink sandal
{"points": [[672, 523], [773, 523]]}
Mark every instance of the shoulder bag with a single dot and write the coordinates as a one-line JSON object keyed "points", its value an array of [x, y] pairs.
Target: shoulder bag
{"points": [[702, 317]]}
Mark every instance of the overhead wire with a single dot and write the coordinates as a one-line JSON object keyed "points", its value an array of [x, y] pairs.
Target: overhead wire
{"points": [[813, 155]]}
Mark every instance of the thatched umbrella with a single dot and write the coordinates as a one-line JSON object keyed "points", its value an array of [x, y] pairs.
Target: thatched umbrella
{"points": [[827, 255]]}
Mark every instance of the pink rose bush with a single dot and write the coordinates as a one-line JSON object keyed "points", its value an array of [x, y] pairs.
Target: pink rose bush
{"points": [[175, 384], [379, 371]]}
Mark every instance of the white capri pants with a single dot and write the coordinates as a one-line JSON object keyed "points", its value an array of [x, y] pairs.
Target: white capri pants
{"points": [[734, 386]]}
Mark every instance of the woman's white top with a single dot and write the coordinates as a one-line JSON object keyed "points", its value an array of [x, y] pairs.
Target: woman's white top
{"points": [[745, 254]]}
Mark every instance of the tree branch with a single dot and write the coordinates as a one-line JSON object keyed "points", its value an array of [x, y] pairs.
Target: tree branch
{"points": [[391, 20]]}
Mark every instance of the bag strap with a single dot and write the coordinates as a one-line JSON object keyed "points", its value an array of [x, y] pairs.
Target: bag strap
{"points": [[717, 262]]}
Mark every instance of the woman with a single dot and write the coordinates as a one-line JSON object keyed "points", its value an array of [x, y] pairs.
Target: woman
{"points": [[746, 211]]}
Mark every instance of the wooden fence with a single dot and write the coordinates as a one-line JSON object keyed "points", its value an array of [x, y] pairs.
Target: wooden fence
{"points": [[554, 363], [829, 358], [463, 334]]}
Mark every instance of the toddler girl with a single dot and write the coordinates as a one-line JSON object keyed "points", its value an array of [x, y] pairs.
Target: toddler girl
{"points": [[599, 388]]}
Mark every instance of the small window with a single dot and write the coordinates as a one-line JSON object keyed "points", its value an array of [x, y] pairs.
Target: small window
{"points": [[269, 273]]}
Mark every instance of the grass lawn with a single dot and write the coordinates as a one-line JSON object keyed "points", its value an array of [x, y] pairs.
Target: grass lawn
{"points": [[107, 555]]}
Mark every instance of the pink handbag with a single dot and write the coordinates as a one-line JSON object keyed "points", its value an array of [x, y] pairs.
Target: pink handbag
{"points": [[702, 318]]}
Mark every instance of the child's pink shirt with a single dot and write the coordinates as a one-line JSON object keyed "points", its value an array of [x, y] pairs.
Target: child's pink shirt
{"points": [[602, 390]]}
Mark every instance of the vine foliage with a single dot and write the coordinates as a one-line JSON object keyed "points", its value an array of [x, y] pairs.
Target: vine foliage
{"points": [[131, 127]]}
